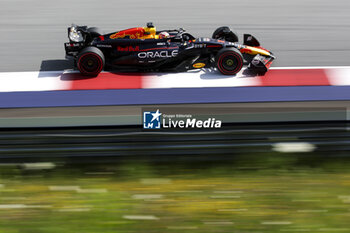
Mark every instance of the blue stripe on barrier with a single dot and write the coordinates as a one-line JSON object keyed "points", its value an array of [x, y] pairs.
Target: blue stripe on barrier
{"points": [[172, 96]]}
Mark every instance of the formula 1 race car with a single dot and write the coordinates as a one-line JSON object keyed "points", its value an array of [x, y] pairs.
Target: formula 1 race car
{"points": [[146, 49]]}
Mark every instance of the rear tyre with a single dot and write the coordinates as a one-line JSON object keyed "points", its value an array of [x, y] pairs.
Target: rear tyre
{"points": [[229, 61], [90, 61], [225, 33]]}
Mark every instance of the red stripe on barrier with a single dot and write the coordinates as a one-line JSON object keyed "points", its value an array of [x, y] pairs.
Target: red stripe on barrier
{"points": [[103, 81], [294, 77], [59, 80]]}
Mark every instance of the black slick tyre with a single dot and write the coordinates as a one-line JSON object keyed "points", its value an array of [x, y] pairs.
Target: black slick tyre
{"points": [[229, 61], [90, 61]]}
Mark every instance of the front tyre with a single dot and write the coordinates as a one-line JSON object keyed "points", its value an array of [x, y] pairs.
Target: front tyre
{"points": [[229, 61], [90, 61]]}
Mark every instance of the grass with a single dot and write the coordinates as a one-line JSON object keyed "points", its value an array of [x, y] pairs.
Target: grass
{"points": [[269, 193]]}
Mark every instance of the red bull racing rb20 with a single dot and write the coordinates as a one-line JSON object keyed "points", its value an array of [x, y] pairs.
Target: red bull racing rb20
{"points": [[147, 50]]}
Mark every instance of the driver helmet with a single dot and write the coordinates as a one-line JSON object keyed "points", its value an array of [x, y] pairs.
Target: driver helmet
{"points": [[163, 35]]}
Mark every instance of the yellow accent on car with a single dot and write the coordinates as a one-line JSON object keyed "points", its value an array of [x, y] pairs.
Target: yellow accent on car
{"points": [[255, 51], [150, 33], [198, 65]]}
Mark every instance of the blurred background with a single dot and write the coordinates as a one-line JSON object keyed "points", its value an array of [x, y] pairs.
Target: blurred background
{"points": [[262, 176]]}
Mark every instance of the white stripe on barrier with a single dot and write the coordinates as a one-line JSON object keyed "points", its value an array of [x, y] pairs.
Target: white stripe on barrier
{"points": [[51, 80], [31, 81], [198, 79], [339, 77], [308, 67]]}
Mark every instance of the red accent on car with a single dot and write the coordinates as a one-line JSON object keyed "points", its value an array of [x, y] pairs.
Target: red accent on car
{"points": [[102, 38], [214, 46], [245, 50], [128, 48], [163, 48], [132, 33], [268, 64]]}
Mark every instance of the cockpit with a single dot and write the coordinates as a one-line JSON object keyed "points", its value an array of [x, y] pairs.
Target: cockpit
{"points": [[148, 32]]}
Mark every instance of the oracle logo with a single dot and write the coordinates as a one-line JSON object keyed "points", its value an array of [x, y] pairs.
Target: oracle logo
{"points": [[158, 54]]}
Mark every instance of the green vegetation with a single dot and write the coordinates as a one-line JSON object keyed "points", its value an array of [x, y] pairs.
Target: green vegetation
{"points": [[260, 193]]}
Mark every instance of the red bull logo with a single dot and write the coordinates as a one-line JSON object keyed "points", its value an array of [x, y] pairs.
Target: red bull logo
{"points": [[128, 49]]}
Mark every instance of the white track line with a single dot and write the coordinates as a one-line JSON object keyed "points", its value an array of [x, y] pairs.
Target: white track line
{"points": [[339, 77], [198, 79], [309, 67], [31, 81], [272, 68]]}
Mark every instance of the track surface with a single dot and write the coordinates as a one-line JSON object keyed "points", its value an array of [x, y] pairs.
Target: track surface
{"points": [[300, 33]]}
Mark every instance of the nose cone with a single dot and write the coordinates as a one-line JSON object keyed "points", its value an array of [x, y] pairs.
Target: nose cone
{"points": [[255, 51]]}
